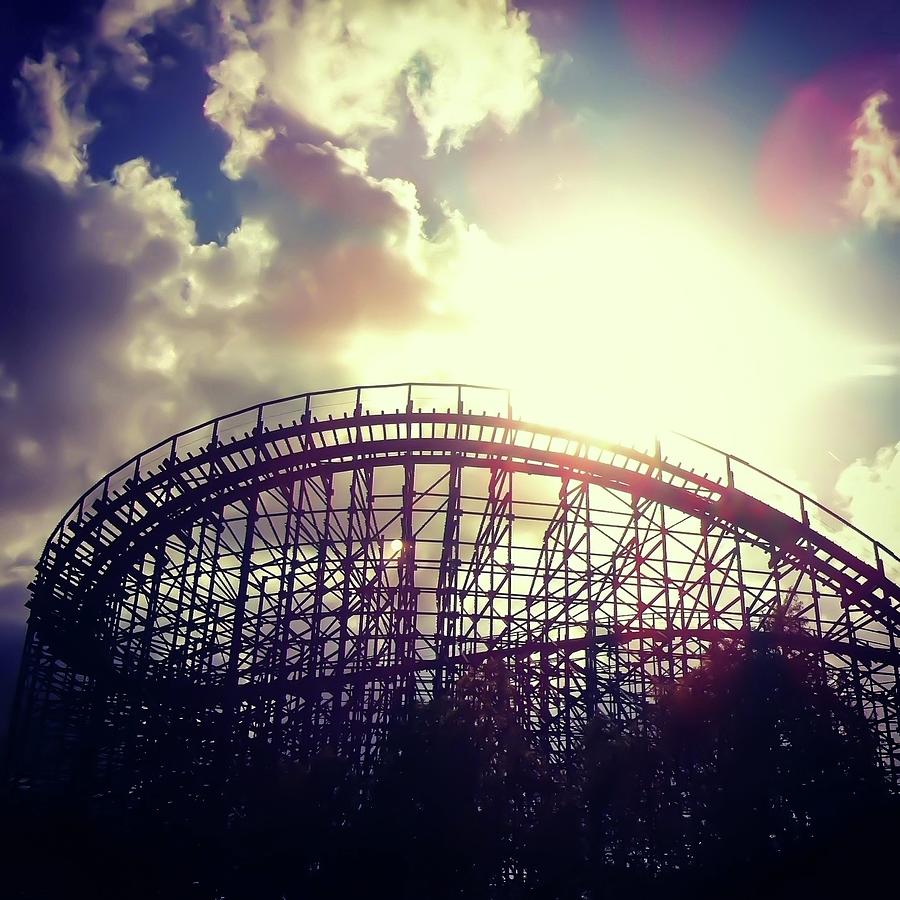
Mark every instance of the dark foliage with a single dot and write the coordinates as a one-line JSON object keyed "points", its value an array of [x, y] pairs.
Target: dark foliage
{"points": [[749, 777], [752, 778]]}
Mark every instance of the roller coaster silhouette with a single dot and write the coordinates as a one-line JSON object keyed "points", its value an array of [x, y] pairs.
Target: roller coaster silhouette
{"points": [[287, 579]]}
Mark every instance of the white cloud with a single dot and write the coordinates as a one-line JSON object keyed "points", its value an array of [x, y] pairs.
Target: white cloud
{"points": [[238, 79], [133, 328], [126, 327], [132, 210], [60, 126], [120, 18], [122, 24], [351, 67], [871, 490], [873, 192]]}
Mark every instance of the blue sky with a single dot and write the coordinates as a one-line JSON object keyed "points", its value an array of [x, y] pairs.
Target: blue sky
{"points": [[672, 215]]}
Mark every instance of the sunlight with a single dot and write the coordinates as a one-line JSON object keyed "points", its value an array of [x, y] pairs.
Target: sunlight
{"points": [[625, 316], [628, 315]]}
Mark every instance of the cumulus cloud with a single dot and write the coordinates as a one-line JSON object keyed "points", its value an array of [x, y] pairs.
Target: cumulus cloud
{"points": [[119, 19], [873, 193], [122, 24], [59, 124], [118, 328], [353, 67], [871, 491], [122, 326], [238, 82]]}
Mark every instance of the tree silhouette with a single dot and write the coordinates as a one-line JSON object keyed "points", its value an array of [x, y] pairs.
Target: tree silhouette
{"points": [[455, 801], [752, 772], [748, 777]]}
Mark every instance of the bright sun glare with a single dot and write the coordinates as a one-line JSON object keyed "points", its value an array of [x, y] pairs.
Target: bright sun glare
{"points": [[624, 319]]}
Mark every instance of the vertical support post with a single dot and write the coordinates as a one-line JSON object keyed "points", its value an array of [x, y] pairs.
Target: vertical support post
{"points": [[590, 700], [445, 621], [407, 613], [233, 671]]}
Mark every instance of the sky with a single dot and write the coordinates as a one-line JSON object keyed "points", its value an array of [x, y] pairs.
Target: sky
{"points": [[636, 215]]}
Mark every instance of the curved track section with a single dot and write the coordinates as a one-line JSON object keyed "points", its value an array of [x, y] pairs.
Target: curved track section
{"points": [[283, 579]]}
